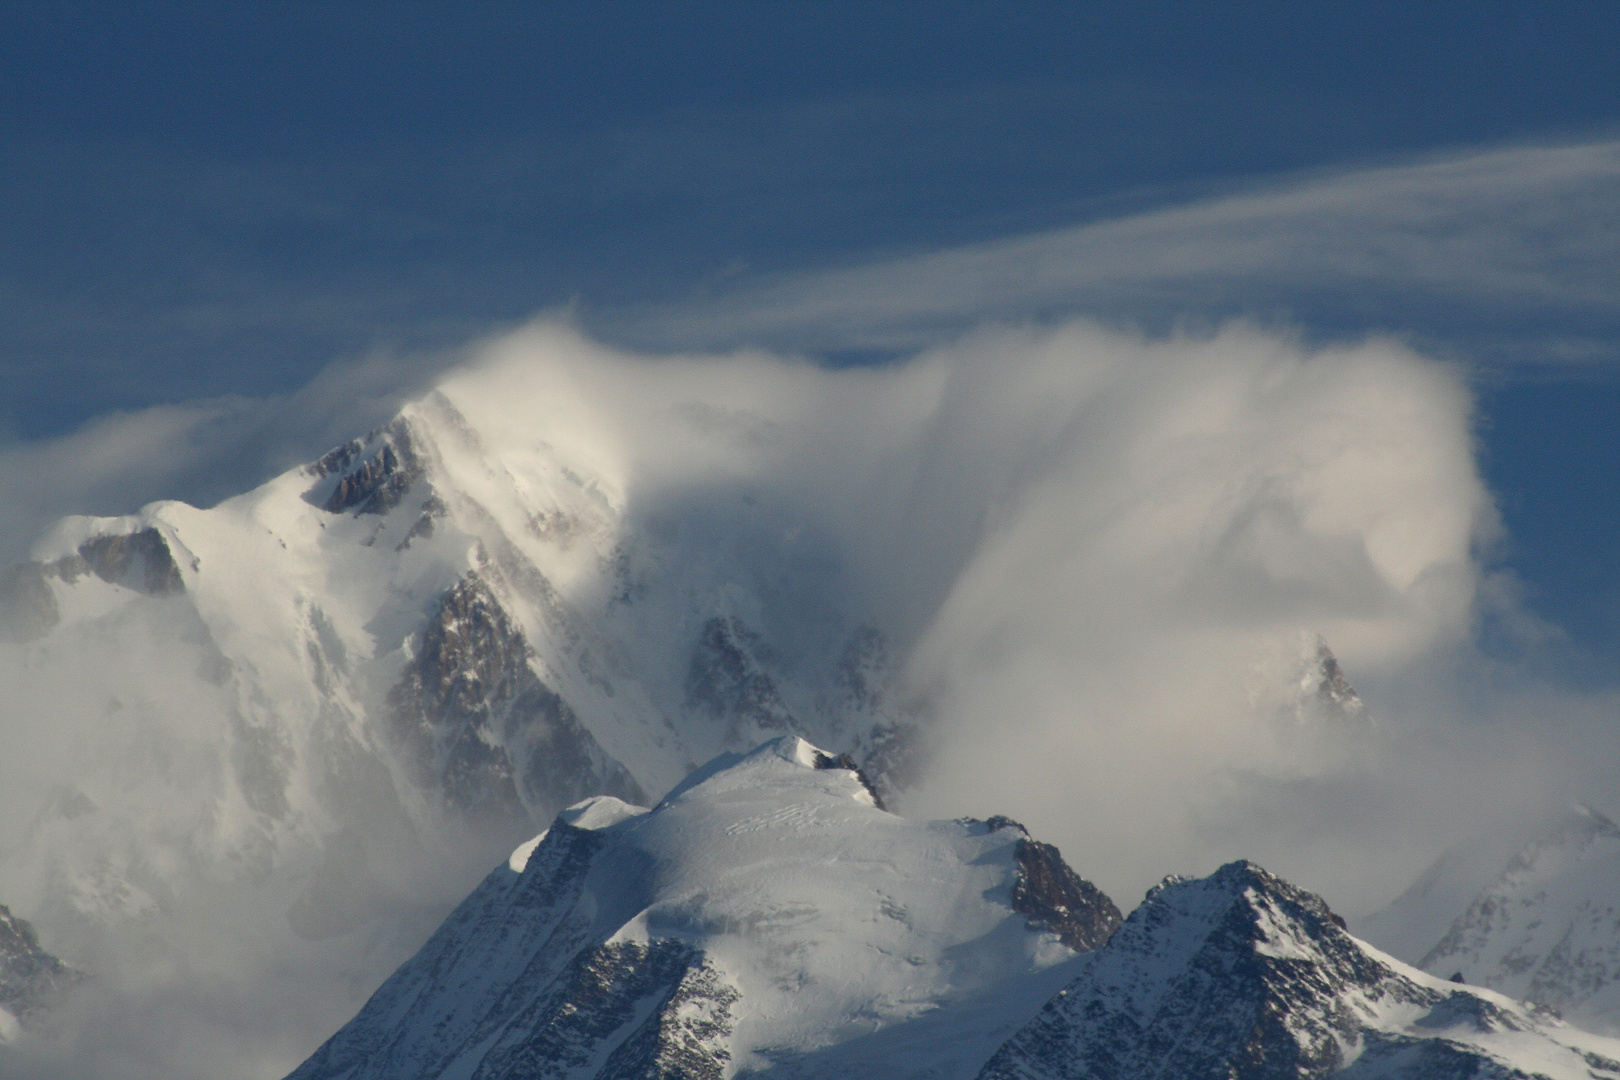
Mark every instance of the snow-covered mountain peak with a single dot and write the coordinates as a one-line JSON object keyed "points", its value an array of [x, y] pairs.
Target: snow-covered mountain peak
{"points": [[1243, 975], [1239, 886], [1323, 688], [787, 761], [766, 915], [1570, 837], [1547, 929], [426, 642]]}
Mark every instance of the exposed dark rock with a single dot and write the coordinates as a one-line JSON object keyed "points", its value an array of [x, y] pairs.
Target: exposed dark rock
{"points": [[602, 992], [139, 560], [433, 508], [685, 1037], [844, 761], [30, 978], [374, 473], [479, 726], [564, 1004], [1327, 692], [539, 946], [1050, 896], [728, 679], [997, 822], [27, 606]]}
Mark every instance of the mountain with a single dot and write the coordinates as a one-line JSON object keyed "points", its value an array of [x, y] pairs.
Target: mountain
{"points": [[280, 737], [1242, 976], [767, 915], [1547, 929], [769, 919], [420, 646], [30, 977]]}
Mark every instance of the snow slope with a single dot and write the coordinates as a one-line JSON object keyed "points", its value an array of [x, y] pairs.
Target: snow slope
{"points": [[766, 915], [432, 639], [1547, 929], [1242, 976]]}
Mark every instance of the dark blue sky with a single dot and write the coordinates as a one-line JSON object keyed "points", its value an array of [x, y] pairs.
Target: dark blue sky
{"points": [[221, 198]]}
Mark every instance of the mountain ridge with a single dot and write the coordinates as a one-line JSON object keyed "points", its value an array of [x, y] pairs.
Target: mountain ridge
{"points": [[756, 918], [767, 919]]}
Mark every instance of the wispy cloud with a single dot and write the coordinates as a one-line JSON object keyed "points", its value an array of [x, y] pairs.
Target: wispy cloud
{"points": [[1501, 239]]}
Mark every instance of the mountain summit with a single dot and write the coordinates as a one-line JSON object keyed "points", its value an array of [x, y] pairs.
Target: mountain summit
{"points": [[768, 919], [431, 639], [766, 915]]}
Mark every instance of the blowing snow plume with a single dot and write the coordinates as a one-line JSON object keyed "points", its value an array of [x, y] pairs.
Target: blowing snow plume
{"points": [[255, 751]]}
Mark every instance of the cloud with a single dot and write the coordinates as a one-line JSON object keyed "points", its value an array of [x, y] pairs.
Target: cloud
{"points": [[1097, 554], [1520, 241], [1097, 551], [1100, 557]]}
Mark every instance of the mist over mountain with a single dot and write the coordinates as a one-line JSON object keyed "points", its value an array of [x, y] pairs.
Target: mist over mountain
{"points": [[1123, 589]]}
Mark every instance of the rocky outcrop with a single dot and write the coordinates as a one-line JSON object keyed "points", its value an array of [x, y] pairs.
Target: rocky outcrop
{"points": [[729, 680], [31, 979], [845, 761], [373, 474], [1051, 896], [685, 1002], [478, 726], [140, 561]]}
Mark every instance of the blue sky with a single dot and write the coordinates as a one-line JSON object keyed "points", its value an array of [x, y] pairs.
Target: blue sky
{"points": [[215, 199]]}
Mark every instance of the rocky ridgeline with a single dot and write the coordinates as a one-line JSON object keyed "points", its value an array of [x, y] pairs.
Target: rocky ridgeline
{"points": [[766, 903], [769, 919], [31, 979]]}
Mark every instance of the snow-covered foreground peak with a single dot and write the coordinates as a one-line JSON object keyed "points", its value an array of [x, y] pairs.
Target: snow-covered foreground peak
{"points": [[768, 920], [1243, 976], [767, 915], [1547, 929]]}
